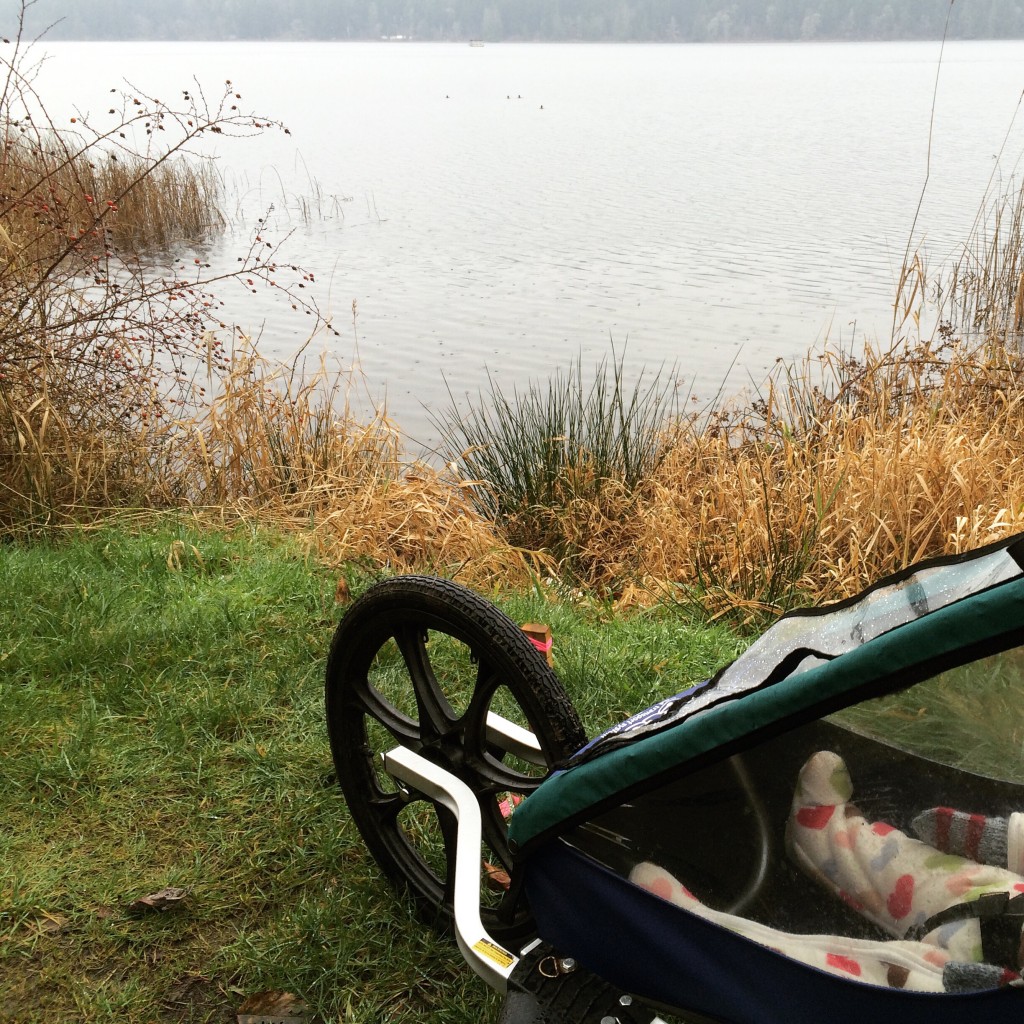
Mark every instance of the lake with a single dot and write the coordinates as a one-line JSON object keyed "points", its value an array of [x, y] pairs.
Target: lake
{"points": [[511, 207]]}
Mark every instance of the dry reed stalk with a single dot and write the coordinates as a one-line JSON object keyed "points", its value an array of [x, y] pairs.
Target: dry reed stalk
{"points": [[284, 447], [419, 521], [984, 289], [59, 450], [920, 452], [838, 474], [812, 493], [63, 195], [175, 200], [102, 328]]}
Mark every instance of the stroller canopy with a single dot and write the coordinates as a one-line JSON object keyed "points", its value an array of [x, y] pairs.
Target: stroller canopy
{"points": [[933, 616]]}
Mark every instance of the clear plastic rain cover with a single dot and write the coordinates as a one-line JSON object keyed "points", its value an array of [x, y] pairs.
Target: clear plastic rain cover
{"points": [[802, 640], [884, 844]]}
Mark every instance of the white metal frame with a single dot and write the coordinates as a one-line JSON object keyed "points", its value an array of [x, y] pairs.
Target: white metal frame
{"points": [[487, 957]]}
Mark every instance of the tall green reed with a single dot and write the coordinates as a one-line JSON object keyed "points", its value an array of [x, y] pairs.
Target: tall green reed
{"points": [[534, 460]]}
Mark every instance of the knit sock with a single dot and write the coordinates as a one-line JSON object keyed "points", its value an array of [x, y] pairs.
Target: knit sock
{"points": [[958, 976], [967, 835]]}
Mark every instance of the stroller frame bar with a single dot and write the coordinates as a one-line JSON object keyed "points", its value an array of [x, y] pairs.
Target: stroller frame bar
{"points": [[513, 739], [489, 959]]}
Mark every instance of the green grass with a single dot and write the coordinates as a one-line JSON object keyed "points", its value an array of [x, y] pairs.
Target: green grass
{"points": [[161, 699]]}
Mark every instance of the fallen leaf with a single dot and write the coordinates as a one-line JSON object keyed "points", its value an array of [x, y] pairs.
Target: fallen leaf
{"points": [[497, 878], [50, 924], [162, 900], [272, 1007], [341, 593]]}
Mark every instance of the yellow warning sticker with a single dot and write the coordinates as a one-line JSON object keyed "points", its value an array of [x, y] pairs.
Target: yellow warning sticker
{"points": [[500, 956]]}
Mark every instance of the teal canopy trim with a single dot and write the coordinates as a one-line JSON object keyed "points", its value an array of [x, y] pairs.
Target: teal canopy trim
{"points": [[956, 634]]}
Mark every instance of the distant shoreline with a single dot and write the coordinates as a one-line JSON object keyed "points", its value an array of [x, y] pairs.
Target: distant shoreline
{"points": [[625, 21], [817, 40]]}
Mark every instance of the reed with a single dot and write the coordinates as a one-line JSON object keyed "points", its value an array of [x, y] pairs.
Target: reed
{"points": [[839, 474], [983, 290], [283, 444], [841, 470], [57, 191], [277, 444], [544, 462], [90, 339]]}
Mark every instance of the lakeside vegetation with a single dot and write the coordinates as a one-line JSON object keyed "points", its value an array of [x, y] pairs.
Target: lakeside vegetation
{"points": [[121, 387], [183, 522]]}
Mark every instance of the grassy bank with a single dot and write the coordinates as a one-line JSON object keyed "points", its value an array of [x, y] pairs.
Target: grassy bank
{"points": [[840, 471], [162, 697], [121, 387]]}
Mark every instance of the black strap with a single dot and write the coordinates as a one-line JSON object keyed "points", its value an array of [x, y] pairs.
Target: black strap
{"points": [[1001, 918], [1016, 552]]}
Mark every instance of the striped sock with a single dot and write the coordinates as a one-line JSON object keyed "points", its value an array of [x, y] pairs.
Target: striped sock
{"points": [[968, 977], [974, 836]]}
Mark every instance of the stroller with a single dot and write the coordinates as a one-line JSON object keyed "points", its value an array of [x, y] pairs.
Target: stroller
{"points": [[832, 827]]}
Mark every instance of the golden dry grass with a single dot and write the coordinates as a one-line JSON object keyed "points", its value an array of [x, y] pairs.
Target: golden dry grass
{"points": [[285, 447], [271, 444], [61, 451], [841, 473], [55, 195], [917, 452]]}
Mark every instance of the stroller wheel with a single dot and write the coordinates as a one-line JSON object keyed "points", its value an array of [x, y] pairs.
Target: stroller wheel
{"points": [[427, 664]]}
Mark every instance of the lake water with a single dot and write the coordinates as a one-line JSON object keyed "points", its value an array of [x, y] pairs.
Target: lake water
{"points": [[508, 208]]}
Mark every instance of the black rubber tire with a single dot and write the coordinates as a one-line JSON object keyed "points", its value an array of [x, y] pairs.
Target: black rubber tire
{"points": [[419, 661]]}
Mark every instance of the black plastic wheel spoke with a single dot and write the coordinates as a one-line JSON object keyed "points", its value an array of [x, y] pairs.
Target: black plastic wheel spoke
{"points": [[473, 723], [435, 713], [481, 753], [387, 807], [372, 703], [450, 831], [494, 777]]}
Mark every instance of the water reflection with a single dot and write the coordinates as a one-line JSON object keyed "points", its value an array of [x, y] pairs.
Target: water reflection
{"points": [[716, 206]]}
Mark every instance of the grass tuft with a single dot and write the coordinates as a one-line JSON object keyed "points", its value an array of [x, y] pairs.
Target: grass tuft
{"points": [[543, 463]]}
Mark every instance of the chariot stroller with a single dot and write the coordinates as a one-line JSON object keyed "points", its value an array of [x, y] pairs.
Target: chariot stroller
{"points": [[829, 829]]}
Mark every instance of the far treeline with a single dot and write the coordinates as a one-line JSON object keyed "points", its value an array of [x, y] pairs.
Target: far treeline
{"points": [[494, 20]]}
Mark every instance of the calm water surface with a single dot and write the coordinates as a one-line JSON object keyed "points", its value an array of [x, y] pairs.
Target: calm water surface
{"points": [[511, 207]]}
